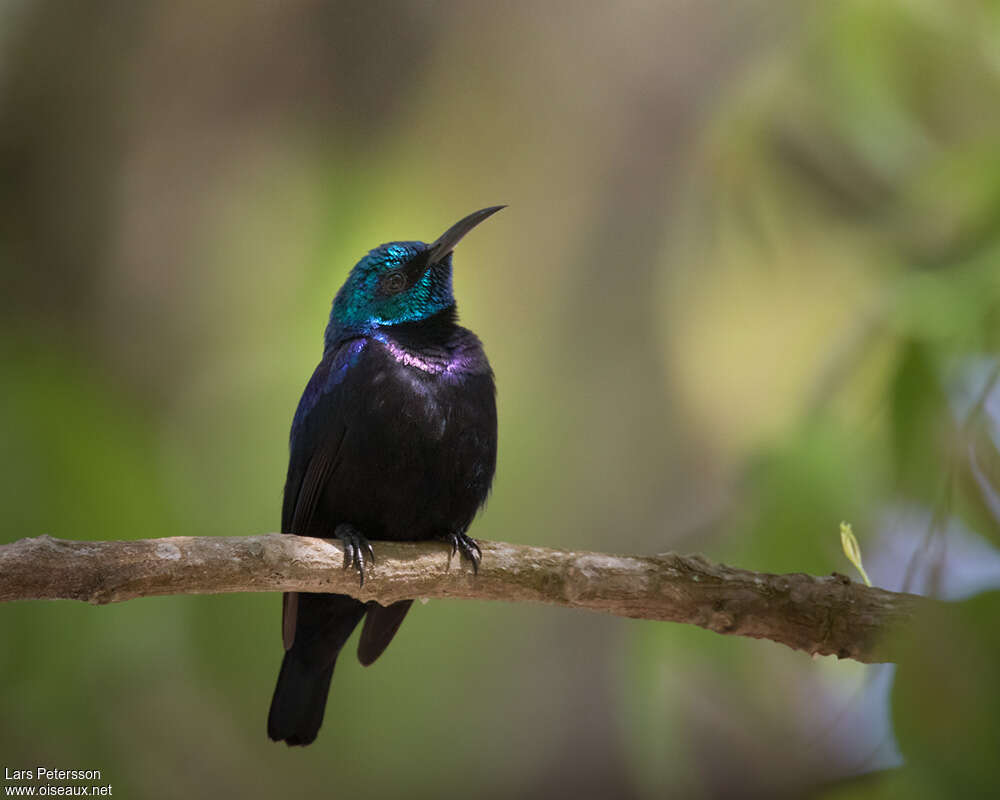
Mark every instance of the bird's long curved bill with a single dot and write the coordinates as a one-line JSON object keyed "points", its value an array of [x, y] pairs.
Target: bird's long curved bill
{"points": [[447, 241]]}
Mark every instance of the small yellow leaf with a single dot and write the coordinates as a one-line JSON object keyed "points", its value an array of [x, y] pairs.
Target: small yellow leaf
{"points": [[852, 549]]}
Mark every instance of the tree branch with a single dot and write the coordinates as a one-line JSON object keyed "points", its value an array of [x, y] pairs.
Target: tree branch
{"points": [[821, 616]]}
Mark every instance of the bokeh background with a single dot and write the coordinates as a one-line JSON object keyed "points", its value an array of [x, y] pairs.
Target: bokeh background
{"points": [[747, 286]]}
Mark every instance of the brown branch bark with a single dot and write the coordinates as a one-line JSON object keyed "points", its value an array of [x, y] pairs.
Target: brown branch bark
{"points": [[820, 616]]}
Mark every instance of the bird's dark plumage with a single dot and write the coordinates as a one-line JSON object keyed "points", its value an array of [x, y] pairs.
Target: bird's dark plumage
{"points": [[394, 438]]}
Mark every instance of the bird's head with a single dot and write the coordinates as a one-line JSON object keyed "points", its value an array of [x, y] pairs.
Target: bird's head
{"points": [[399, 282]]}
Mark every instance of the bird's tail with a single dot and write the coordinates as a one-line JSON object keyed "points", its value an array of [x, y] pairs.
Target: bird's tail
{"points": [[299, 701], [324, 624]]}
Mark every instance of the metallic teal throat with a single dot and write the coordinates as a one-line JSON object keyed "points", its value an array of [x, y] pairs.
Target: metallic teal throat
{"points": [[360, 307]]}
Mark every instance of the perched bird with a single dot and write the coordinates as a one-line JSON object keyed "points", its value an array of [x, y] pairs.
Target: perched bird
{"points": [[395, 438]]}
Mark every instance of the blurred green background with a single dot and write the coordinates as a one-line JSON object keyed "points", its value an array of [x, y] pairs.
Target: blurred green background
{"points": [[748, 286]]}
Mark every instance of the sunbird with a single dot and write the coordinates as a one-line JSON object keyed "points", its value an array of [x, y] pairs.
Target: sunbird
{"points": [[394, 438]]}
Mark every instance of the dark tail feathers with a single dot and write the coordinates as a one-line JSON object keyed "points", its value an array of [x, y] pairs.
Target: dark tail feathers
{"points": [[323, 624], [299, 701]]}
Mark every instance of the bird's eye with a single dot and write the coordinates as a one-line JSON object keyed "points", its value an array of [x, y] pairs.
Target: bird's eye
{"points": [[394, 283]]}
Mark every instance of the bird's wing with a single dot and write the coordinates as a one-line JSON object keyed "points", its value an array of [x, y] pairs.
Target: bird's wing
{"points": [[381, 625], [318, 432], [317, 474]]}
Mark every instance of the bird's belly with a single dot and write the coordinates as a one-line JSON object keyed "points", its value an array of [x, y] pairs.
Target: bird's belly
{"points": [[422, 464]]}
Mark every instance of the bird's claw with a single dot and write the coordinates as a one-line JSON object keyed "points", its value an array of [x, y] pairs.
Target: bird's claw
{"points": [[468, 547], [355, 548]]}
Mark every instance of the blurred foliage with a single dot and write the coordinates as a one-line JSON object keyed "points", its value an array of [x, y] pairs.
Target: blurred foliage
{"points": [[933, 700], [747, 287]]}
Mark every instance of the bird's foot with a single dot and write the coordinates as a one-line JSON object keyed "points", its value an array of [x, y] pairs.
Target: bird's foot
{"points": [[468, 547], [355, 548]]}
